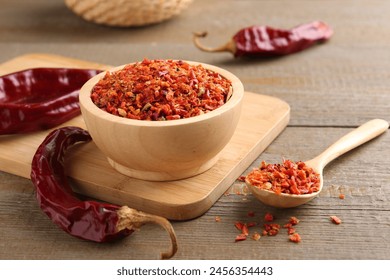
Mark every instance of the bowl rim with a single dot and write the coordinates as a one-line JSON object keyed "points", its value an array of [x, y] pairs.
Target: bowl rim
{"points": [[87, 104]]}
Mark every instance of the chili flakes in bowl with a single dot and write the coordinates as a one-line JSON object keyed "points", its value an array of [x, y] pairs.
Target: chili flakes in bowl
{"points": [[160, 90]]}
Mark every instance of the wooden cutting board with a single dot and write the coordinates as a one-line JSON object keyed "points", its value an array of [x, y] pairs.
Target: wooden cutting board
{"points": [[263, 118]]}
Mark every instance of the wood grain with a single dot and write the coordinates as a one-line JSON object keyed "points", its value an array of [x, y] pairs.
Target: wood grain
{"points": [[262, 119]]}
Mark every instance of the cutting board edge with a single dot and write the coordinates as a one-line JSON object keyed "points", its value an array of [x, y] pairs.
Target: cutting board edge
{"points": [[49, 58]]}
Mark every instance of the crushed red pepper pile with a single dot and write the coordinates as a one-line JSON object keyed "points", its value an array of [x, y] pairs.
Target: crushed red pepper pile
{"points": [[289, 177], [161, 90]]}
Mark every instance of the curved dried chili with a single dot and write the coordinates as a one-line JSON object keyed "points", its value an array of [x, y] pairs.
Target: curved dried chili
{"points": [[40, 98], [269, 41], [90, 220]]}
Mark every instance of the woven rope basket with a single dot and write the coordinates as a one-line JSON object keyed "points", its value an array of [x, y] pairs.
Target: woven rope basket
{"points": [[127, 12]]}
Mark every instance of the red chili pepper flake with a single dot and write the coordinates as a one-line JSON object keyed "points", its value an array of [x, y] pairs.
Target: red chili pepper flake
{"points": [[241, 178], [336, 220], [268, 217], [240, 237], [161, 90], [245, 230], [289, 226], [242, 227], [256, 236], [341, 196], [273, 232], [289, 177], [272, 229], [251, 224], [251, 214], [239, 225], [294, 220], [295, 237], [290, 230]]}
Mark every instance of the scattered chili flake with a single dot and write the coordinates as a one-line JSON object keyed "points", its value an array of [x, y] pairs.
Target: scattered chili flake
{"points": [[295, 237], [294, 220], [245, 230], [289, 177], [217, 218], [290, 230], [268, 217], [239, 225], [290, 225], [240, 237], [242, 227], [336, 220], [341, 196], [271, 229], [256, 236], [161, 90], [251, 214], [241, 178], [251, 224]]}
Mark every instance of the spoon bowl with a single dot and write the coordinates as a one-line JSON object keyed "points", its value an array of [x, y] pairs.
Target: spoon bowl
{"points": [[360, 135]]}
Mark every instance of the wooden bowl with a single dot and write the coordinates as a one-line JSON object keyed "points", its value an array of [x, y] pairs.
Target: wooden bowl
{"points": [[163, 150]]}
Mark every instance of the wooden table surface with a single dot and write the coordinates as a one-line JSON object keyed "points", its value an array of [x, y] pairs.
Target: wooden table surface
{"points": [[331, 88]]}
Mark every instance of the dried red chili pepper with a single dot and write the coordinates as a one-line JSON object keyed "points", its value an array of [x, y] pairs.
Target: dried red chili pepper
{"points": [[40, 98], [268, 41], [88, 220]]}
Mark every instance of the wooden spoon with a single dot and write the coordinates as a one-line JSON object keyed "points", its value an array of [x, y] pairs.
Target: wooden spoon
{"points": [[360, 135]]}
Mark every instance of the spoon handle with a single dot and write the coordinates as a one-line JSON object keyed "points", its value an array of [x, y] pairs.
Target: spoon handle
{"points": [[360, 135]]}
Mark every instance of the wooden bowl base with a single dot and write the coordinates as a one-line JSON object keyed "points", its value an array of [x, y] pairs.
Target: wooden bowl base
{"points": [[157, 176]]}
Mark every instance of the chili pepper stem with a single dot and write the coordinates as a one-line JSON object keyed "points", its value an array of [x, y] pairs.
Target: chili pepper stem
{"points": [[230, 46], [133, 220]]}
